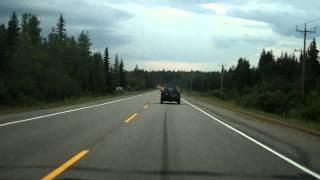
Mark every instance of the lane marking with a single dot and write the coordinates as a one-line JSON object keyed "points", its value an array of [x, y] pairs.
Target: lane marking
{"points": [[145, 106], [68, 111], [290, 161], [64, 166], [131, 117]]}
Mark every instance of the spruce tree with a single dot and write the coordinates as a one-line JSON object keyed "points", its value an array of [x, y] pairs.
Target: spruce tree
{"points": [[3, 40], [122, 74], [61, 29], [116, 71], [13, 31], [312, 65], [106, 63]]}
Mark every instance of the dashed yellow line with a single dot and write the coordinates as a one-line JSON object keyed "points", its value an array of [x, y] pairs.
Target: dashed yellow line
{"points": [[64, 166], [131, 117]]}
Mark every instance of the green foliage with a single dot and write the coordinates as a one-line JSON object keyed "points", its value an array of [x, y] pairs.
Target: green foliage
{"points": [[13, 31], [266, 65], [136, 79], [107, 71], [272, 87], [242, 74], [34, 69], [312, 66], [218, 94], [310, 110], [61, 30], [269, 101]]}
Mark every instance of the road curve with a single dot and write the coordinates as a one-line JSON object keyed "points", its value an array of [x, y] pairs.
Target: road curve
{"points": [[139, 138]]}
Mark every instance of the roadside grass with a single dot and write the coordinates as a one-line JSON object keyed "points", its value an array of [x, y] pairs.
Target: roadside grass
{"points": [[256, 113], [62, 103]]}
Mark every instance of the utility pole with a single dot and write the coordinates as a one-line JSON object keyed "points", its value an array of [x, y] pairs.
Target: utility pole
{"points": [[304, 56], [222, 77]]}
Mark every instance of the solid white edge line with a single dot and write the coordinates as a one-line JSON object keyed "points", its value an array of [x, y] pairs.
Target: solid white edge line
{"points": [[290, 161], [68, 111]]}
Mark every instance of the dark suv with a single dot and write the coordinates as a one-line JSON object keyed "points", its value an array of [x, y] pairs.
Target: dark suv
{"points": [[170, 93]]}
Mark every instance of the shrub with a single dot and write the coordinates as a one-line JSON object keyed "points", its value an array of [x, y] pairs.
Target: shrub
{"points": [[310, 111], [218, 94]]}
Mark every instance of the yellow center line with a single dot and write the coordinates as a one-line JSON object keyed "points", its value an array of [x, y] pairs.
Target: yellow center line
{"points": [[64, 166], [131, 117], [145, 106]]}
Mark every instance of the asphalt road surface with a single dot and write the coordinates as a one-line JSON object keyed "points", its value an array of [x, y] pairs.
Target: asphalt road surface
{"points": [[139, 138]]}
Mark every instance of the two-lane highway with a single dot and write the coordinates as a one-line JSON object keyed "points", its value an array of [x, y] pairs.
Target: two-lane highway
{"points": [[139, 138]]}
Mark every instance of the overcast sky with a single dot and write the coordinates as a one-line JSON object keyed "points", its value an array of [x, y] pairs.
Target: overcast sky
{"points": [[178, 34]]}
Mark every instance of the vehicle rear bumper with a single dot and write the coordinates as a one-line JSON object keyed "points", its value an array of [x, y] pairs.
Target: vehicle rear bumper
{"points": [[170, 98]]}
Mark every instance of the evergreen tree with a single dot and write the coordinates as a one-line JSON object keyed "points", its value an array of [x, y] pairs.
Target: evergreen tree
{"points": [[34, 30], [3, 40], [84, 57], [12, 37], [13, 31], [106, 62], [116, 70], [242, 74], [312, 65], [122, 74], [61, 29], [287, 67], [97, 73], [30, 33], [5, 95], [266, 65]]}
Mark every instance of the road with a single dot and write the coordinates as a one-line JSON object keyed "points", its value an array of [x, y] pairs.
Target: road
{"points": [[139, 138]]}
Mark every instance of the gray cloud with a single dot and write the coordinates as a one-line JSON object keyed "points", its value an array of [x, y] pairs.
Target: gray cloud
{"points": [[99, 19], [281, 15], [107, 37], [139, 31], [228, 43]]}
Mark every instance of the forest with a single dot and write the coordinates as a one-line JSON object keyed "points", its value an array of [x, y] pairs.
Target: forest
{"points": [[274, 86], [43, 69], [36, 69]]}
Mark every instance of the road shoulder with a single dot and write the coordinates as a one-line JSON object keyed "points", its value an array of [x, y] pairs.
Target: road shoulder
{"points": [[257, 116], [297, 145]]}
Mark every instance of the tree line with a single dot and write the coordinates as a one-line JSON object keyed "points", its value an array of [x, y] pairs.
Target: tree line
{"points": [[273, 86], [34, 68]]}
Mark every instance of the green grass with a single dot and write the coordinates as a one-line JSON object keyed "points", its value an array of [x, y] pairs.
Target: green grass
{"points": [[62, 103], [231, 105]]}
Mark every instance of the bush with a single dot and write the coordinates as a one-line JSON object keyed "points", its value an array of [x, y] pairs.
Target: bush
{"points": [[24, 100], [270, 101], [5, 96], [218, 94], [250, 100], [232, 94], [310, 111], [59, 85]]}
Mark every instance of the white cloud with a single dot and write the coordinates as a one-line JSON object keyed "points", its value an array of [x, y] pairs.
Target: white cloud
{"points": [[183, 36], [216, 7]]}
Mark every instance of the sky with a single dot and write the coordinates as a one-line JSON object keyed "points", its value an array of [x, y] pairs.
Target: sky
{"points": [[178, 34]]}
